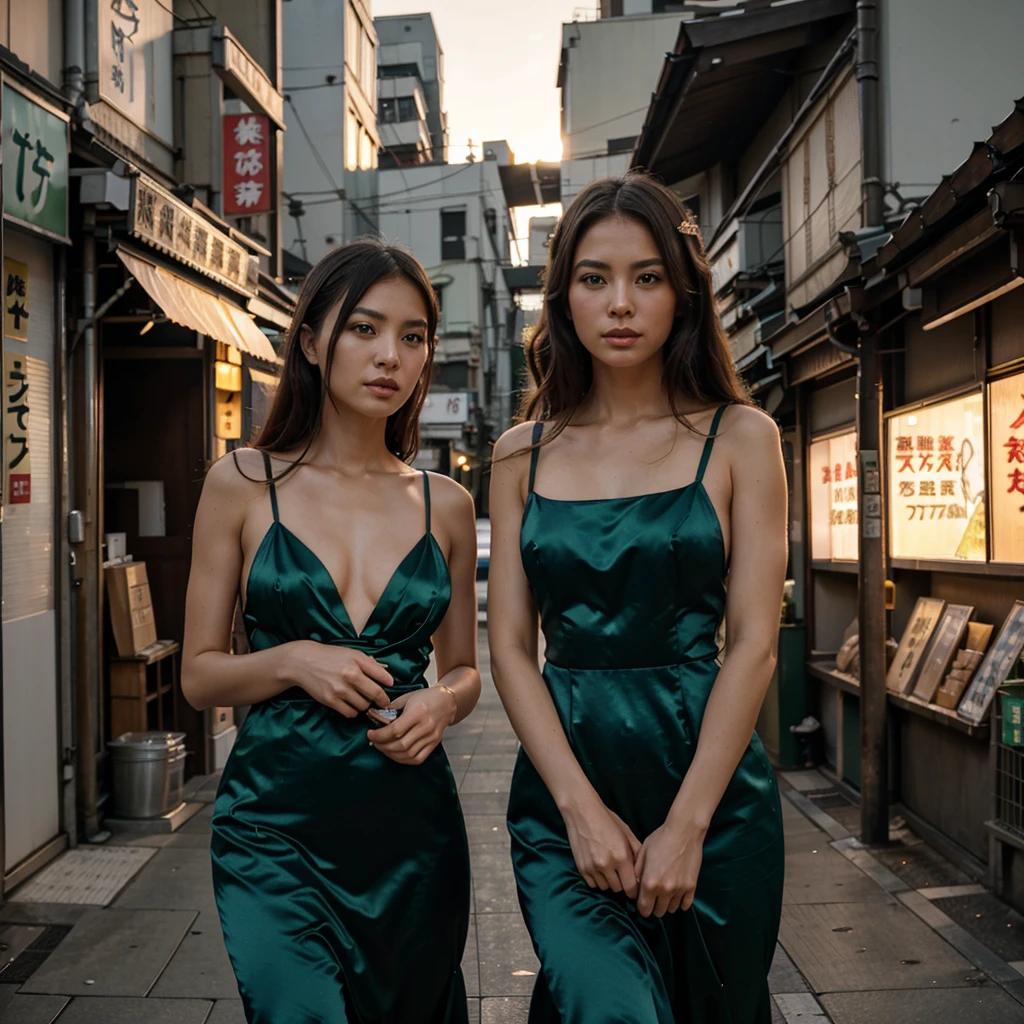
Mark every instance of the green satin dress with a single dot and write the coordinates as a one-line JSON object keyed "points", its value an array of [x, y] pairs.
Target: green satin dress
{"points": [[630, 593], [341, 877]]}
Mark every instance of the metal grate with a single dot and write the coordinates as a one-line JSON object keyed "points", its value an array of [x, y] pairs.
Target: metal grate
{"points": [[1009, 778]]}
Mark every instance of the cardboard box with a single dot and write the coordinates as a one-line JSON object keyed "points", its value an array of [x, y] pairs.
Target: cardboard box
{"points": [[131, 607], [219, 746], [950, 693]]}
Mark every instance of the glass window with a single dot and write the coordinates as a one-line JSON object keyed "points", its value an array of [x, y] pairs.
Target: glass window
{"points": [[453, 234], [387, 112], [1006, 444], [407, 109], [367, 67], [936, 459], [833, 494]]}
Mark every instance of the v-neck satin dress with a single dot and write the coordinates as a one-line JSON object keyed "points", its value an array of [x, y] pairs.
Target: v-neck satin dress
{"points": [[631, 593], [341, 877]]}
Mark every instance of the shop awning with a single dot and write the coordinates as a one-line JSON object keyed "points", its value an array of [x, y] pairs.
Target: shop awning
{"points": [[194, 307]]}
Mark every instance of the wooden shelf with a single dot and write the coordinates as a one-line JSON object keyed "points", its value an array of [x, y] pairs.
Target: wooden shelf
{"points": [[942, 716], [824, 671]]}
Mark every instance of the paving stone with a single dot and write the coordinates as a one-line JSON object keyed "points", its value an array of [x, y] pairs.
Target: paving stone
{"points": [[190, 840], [505, 951], [505, 1011], [200, 969], [777, 1017], [487, 830], [920, 866], [484, 803], [795, 821], [227, 1011], [494, 885], [784, 977], [964, 1006], [122, 953], [471, 961], [990, 921], [43, 913], [473, 1010], [486, 782], [200, 821], [827, 877], [850, 947], [493, 762], [136, 1011], [16, 1008], [797, 1008], [175, 879]]}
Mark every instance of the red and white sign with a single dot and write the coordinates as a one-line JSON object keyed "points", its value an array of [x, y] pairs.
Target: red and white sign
{"points": [[246, 164]]}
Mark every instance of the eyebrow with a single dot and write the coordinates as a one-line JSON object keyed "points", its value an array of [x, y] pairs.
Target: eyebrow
{"points": [[639, 265], [373, 314]]}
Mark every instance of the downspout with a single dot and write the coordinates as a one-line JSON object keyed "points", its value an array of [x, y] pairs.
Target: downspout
{"points": [[871, 614]]}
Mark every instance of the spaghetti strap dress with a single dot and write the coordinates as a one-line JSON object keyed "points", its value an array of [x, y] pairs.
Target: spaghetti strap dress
{"points": [[341, 877], [630, 593]]}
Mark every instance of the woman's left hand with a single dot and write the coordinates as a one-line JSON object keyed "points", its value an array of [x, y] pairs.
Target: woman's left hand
{"points": [[667, 866], [417, 731]]}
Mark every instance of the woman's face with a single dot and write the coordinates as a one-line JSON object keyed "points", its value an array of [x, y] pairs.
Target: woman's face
{"points": [[621, 303], [381, 350]]}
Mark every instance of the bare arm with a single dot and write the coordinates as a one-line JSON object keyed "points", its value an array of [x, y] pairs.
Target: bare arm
{"points": [[427, 713], [213, 677], [602, 844], [670, 860]]}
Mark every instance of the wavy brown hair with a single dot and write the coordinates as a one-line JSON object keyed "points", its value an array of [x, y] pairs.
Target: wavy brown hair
{"points": [[344, 275], [698, 365]]}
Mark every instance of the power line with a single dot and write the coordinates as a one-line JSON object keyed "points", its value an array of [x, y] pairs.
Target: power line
{"points": [[312, 146], [185, 21]]}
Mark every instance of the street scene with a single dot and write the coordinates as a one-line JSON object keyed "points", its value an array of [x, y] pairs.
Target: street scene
{"points": [[852, 175]]}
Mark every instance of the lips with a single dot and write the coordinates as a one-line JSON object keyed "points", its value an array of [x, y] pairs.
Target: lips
{"points": [[620, 337], [384, 387]]}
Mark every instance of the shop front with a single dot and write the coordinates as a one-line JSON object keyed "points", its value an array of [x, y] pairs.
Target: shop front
{"points": [[36, 733]]}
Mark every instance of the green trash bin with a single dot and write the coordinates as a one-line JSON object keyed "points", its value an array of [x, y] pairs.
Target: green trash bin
{"points": [[1012, 697]]}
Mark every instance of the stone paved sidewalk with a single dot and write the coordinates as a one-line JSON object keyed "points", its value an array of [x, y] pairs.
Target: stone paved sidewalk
{"points": [[862, 941]]}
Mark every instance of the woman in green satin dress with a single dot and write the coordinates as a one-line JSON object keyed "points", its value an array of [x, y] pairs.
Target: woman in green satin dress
{"points": [[646, 829], [340, 860]]}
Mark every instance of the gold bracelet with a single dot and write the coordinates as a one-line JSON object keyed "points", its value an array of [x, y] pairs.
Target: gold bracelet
{"points": [[455, 700]]}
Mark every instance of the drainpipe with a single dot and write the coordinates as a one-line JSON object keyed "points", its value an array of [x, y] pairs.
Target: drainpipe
{"points": [[74, 52], [874, 746]]}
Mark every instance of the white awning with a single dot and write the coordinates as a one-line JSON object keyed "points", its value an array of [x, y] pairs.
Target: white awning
{"points": [[194, 307]]}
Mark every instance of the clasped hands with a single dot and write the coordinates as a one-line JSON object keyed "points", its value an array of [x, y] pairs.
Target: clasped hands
{"points": [[660, 873]]}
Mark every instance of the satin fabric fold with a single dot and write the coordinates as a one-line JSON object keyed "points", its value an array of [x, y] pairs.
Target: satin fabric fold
{"points": [[631, 593], [341, 877]]}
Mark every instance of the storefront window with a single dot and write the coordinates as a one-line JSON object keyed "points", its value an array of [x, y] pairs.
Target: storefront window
{"points": [[936, 459], [1006, 443], [833, 491]]}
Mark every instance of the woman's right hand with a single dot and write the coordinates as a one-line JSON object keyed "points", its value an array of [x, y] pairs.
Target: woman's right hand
{"points": [[340, 678], [603, 846]]}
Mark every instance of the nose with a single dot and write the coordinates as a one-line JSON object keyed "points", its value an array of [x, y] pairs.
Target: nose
{"points": [[621, 300], [386, 354]]}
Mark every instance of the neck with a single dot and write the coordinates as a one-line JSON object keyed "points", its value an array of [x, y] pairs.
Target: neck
{"points": [[626, 394], [351, 443]]}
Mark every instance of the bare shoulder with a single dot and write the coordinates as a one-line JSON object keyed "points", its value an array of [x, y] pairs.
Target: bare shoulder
{"points": [[749, 430], [514, 441], [240, 473], [449, 499]]}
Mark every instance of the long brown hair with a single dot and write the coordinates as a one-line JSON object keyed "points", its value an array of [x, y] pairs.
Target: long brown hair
{"points": [[344, 274], [697, 362]]}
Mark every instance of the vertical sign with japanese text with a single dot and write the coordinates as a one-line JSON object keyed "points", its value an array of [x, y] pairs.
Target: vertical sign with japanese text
{"points": [[35, 164], [16, 300], [833, 491], [1006, 445], [246, 164], [936, 461], [17, 458], [134, 39]]}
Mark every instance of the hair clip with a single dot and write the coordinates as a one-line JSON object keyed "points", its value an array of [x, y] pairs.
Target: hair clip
{"points": [[689, 226]]}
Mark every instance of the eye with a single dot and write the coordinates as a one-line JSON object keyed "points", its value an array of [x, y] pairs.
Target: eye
{"points": [[364, 329], [592, 279], [414, 339], [649, 278]]}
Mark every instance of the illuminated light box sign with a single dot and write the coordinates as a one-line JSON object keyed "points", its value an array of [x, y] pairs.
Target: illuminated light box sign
{"points": [[936, 459], [833, 491], [1006, 445]]}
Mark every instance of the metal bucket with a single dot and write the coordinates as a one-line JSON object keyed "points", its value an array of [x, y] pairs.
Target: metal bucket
{"points": [[149, 773]]}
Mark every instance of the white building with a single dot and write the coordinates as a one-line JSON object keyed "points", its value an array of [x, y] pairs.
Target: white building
{"points": [[330, 72]]}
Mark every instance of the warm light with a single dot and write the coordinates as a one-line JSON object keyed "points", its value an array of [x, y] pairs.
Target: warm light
{"points": [[912, 420], [465, 468], [227, 376], [462, 461], [147, 327]]}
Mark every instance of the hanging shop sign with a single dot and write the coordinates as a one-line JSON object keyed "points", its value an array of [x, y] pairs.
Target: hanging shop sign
{"points": [[134, 48], [17, 304], [245, 77], [833, 492], [1006, 445], [936, 459], [17, 457], [169, 225], [35, 164], [246, 164], [442, 407]]}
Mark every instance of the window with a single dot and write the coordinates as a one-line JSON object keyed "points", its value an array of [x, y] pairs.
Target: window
{"points": [[407, 109], [365, 149], [352, 127], [453, 234], [387, 111], [367, 67]]}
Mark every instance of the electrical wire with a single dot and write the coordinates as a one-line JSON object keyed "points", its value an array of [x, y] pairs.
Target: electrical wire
{"points": [[184, 21]]}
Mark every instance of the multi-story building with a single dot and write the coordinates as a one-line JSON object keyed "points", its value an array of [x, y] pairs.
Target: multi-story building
{"points": [[329, 53], [410, 89]]}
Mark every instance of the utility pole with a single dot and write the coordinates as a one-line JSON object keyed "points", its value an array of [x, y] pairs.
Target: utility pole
{"points": [[874, 748]]}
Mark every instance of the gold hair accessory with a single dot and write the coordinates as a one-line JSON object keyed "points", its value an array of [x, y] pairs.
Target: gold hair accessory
{"points": [[689, 226]]}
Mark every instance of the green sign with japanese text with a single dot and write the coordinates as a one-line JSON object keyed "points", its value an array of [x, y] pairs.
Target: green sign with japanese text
{"points": [[35, 163]]}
